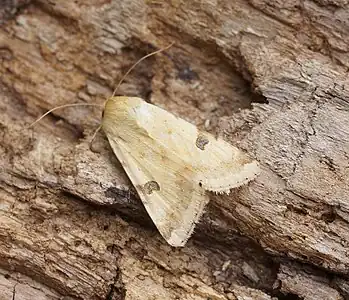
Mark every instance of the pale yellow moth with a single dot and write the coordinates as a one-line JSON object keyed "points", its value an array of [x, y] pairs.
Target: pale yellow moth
{"points": [[171, 163]]}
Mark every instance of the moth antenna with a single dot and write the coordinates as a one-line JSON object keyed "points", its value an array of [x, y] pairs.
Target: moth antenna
{"points": [[94, 135], [140, 60], [62, 106]]}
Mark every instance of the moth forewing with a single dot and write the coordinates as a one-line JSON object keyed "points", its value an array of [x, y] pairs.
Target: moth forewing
{"points": [[223, 167], [165, 187], [171, 163], [218, 165]]}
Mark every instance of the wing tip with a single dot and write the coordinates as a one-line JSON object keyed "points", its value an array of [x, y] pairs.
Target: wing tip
{"points": [[248, 173], [174, 241], [180, 235]]}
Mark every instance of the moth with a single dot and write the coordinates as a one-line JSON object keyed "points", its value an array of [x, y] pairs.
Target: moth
{"points": [[170, 162]]}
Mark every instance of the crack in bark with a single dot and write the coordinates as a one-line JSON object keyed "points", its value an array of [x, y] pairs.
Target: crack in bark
{"points": [[14, 292], [311, 116], [117, 289]]}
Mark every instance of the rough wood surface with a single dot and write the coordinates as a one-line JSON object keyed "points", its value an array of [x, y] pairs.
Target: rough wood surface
{"points": [[270, 77]]}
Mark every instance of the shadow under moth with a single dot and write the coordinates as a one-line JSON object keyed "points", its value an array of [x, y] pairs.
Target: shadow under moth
{"points": [[170, 162]]}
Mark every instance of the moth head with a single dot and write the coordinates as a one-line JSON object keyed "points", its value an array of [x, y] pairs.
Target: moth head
{"points": [[118, 104]]}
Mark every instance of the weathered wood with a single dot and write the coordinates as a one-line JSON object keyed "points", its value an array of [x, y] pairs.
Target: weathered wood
{"points": [[269, 77]]}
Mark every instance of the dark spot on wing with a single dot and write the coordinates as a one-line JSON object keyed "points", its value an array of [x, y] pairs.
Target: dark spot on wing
{"points": [[201, 142], [150, 187]]}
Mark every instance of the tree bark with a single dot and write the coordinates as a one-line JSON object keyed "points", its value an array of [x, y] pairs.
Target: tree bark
{"points": [[269, 77]]}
